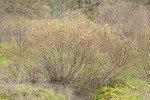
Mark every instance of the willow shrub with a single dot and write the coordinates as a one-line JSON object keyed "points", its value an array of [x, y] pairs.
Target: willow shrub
{"points": [[76, 50], [73, 49]]}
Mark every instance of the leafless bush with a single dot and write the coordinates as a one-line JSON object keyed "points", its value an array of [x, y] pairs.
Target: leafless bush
{"points": [[144, 50], [13, 29], [142, 38], [65, 53], [127, 17], [74, 49], [130, 20]]}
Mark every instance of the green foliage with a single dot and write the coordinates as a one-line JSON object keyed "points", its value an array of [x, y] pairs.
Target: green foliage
{"points": [[118, 90], [144, 2], [3, 96]]}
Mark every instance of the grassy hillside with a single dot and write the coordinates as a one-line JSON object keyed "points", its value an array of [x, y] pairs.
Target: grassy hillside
{"points": [[130, 85], [102, 53]]}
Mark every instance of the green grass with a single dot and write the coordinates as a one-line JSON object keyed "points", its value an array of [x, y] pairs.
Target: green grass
{"points": [[3, 60], [133, 75], [22, 92], [130, 85], [5, 45]]}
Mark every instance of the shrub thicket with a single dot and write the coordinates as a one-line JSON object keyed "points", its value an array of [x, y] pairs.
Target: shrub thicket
{"points": [[73, 49]]}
